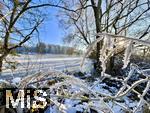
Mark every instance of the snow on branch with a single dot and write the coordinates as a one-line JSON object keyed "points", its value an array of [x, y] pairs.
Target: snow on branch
{"points": [[136, 40], [127, 54], [109, 49]]}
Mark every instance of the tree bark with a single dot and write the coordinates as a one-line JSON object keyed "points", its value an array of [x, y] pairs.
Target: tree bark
{"points": [[110, 65], [97, 14], [1, 65]]}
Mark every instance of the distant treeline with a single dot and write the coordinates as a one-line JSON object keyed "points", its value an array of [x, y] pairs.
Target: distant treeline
{"points": [[43, 48]]}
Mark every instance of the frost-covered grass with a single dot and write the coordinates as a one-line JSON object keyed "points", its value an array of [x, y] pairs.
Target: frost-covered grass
{"points": [[70, 94]]}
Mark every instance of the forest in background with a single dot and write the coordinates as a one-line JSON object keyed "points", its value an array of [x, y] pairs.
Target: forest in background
{"points": [[43, 48]]}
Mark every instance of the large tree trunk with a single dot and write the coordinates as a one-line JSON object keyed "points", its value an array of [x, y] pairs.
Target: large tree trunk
{"points": [[99, 44], [97, 14]]}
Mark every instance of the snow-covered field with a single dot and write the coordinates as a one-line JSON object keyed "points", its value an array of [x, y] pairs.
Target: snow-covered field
{"points": [[29, 64]]}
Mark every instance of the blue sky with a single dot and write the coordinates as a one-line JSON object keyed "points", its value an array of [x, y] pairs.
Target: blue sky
{"points": [[50, 31]]}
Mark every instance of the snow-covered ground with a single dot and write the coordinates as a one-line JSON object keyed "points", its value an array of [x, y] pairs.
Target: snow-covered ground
{"points": [[29, 64], [68, 93]]}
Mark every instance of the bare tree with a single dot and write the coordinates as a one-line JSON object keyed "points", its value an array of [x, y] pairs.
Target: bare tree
{"points": [[19, 20], [119, 17], [16, 27]]}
